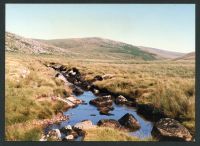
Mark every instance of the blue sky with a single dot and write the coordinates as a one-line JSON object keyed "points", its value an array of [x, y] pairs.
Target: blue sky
{"points": [[164, 26]]}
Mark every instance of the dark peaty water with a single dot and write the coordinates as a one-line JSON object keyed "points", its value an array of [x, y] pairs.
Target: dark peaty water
{"points": [[83, 112]]}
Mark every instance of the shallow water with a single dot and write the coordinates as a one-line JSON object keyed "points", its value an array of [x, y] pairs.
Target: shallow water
{"points": [[83, 112]]}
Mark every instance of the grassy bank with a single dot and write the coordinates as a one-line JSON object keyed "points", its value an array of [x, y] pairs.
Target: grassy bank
{"points": [[109, 134], [29, 88]]}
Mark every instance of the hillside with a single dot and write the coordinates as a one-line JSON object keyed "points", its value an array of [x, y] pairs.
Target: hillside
{"points": [[86, 48], [95, 44], [188, 56], [162, 54], [15, 43], [101, 48]]}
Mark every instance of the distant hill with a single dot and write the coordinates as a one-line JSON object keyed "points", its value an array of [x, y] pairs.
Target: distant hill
{"points": [[86, 48], [162, 54], [102, 48], [188, 56]]}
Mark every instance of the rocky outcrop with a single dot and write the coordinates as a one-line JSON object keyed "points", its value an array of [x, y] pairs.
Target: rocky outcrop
{"points": [[109, 123], [168, 129], [104, 104], [130, 122]]}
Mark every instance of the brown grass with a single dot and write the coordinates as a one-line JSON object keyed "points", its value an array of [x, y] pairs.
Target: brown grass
{"points": [[29, 88], [109, 134], [168, 85]]}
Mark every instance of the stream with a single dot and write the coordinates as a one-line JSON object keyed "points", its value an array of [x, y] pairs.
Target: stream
{"points": [[90, 112]]}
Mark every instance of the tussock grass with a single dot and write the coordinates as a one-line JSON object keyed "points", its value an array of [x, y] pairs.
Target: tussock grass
{"points": [[23, 132], [29, 87], [168, 85], [107, 134]]}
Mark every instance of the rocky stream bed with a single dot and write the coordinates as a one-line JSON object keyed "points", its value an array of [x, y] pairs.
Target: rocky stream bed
{"points": [[92, 107]]}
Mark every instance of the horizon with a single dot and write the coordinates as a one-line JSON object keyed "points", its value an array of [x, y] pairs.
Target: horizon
{"points": [[102, 38], [129, 29]]}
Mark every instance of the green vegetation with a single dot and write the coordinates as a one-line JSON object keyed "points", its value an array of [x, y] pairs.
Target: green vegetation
{"points": [[23, 132]]}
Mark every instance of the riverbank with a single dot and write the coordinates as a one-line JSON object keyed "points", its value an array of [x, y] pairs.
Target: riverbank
{"points": [[30, 88]]}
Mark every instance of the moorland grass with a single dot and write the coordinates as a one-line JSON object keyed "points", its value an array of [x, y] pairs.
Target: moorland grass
{"points": [[107, 134], [27, 80], [168, 85]]}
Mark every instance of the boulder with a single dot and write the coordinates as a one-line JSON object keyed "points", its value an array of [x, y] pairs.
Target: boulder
{"points": [[85, 124], [105, 110], [102, 101], [129, 121], [120, 100], [170, 130], [109, 123]]}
